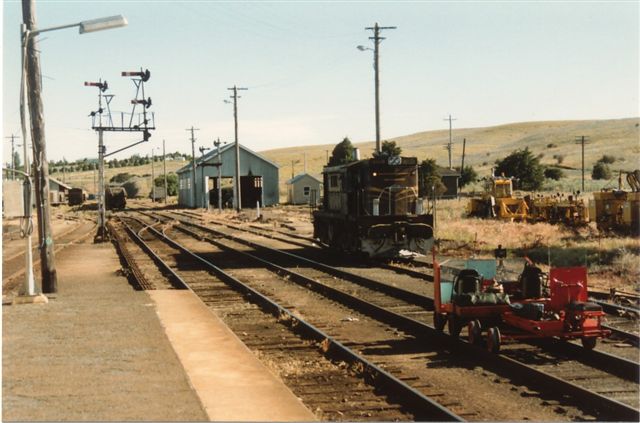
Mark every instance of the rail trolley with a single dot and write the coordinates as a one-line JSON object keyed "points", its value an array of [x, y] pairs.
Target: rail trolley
{"points": [[536, 306]]}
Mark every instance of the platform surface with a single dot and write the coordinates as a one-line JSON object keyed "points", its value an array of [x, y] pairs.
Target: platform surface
{"points": [[232, 383]]}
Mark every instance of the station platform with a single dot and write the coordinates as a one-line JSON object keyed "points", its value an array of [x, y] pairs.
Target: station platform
{"points": [[99, 350]]}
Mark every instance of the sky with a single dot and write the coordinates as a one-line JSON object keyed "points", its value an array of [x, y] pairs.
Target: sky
{"points": [[485, 63]]}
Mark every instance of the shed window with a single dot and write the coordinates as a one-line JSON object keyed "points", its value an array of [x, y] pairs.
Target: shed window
{"points": [[305, 191], [333, 181]]}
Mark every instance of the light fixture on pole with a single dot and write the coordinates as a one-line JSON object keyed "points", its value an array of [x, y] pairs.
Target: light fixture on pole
{"points": [[31, 86]]}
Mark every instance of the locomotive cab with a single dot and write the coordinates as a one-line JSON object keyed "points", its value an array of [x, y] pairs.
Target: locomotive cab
{"points": [[372, 206]]}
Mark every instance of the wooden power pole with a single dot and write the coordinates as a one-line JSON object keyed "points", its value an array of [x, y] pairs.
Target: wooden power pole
{"points": [[41, 166]]}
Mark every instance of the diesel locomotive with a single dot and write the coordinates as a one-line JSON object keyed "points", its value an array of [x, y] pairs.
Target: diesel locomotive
{"points": [[372, 206]]}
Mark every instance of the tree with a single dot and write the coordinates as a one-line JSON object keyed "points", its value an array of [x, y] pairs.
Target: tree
{"points": [[429, 179], [120, 178], [601, 171], [607, 159], [389, 148], [467, 175], [342, 153], [133, 187], [172, 183], [523, 166], [16, 160], [553, 173]]}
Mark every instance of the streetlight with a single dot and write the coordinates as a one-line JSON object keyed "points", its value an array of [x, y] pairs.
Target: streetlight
{"points": [[31, 82]]}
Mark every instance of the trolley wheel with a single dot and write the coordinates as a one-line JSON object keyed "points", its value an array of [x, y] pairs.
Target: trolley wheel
{"points": [[493, 339], [589, 342], [454, 326], [475, 332], [439, 321]]}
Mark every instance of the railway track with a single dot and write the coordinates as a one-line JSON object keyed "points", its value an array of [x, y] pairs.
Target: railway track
{"points": [[331, 380], [622, 321], [416, 330]]}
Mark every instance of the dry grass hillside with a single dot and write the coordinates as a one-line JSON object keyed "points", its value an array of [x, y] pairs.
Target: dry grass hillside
{"points": [[89, 179], [617, 137]]}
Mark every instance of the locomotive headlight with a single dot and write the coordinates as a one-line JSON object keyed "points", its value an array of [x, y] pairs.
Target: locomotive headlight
{"points": [[375, 174]]}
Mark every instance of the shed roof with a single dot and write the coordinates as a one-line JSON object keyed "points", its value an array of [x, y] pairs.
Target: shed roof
{"points": [[62, 184], [212, 153], [300, 176], [445, 171]]}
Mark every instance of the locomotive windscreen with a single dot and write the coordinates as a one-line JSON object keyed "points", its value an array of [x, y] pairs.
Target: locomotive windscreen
{"points": [[395, 187]]}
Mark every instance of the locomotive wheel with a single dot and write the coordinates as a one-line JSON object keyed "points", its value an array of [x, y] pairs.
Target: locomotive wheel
{"points": [[493, 339], [589, 343], [475, 332], [454, 325], [439, 321]]}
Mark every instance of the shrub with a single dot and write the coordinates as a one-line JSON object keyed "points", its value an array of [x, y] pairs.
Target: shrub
{"points": [[120, 177], [559, 158], [389, 148], [467, 175], [342, 153], [607, 159], [553, 173], [601, 171], [172, 183], [522, 165], [551, 145]]}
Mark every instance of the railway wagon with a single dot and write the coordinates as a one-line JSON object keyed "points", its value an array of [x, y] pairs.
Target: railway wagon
{"points": [[371, 206], [77, 196], [115, 198]]}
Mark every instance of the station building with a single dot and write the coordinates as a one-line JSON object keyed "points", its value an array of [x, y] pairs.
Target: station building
{"points": [[258, 179], [304, 189]]}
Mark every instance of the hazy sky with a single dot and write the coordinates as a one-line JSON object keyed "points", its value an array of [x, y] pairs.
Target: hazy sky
{"points": [[485, 63]]}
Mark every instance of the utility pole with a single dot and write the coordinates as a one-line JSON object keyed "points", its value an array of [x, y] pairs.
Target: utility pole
{"points": [[464, 146], [238, 196], [582, 140], [153, 178], [326, 152], [13, 154], [219, 184], [450, 145], [41, 166], [193, 165], [164, 170], [376, 43]]}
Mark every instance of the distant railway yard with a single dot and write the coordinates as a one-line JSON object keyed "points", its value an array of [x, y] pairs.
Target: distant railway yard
{"points": [[354, 338]]}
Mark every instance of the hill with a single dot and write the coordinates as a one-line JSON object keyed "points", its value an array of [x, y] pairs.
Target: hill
{"points": [[617, 137]]}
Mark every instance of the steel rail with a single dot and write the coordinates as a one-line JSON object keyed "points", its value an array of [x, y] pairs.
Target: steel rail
{"points": [[499, 363], [423, 407], [618, 366], [176, 280]]}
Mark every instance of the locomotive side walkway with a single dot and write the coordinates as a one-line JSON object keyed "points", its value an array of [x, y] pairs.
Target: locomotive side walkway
{"points": [[98, 351]]}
